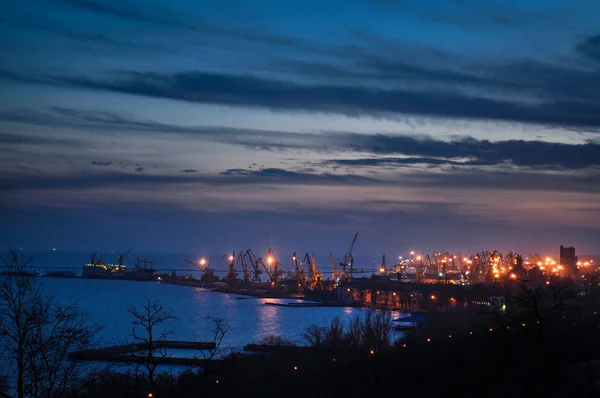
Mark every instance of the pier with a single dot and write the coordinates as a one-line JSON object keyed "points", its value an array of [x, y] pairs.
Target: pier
{"points": [[127, 353]]}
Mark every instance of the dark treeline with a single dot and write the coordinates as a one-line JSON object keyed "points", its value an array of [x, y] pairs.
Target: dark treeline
{"points": [[546, 343]]}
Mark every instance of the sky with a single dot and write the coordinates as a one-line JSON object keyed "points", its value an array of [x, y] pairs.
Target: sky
{"points": [[174, 125]]}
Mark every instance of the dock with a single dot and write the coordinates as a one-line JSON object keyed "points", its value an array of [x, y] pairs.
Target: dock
{"points": [[323, 304], [127, 353]]}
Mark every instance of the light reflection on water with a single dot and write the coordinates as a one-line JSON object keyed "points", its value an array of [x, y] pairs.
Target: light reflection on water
{"points": [[247, 319]]}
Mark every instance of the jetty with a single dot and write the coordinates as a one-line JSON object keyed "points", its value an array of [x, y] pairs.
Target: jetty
{"points": [[128, 353]]}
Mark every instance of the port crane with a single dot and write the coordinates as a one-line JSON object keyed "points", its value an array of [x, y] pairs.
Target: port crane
{"points": [[273, 270], [421, 266], [256, 264], [334, 265], [300, 274], [230, 262], [244, 266], [96, 259], [383, 268], [315, 278], [208, 273], [347, 263], [121, 260]]}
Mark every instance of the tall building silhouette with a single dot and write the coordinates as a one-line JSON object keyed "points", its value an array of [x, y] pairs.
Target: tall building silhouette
{"points": [[568, 259]]}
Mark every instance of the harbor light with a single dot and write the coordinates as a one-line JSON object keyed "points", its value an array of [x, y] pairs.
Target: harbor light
{"points": [[230, 258], [202, 261], [269, 260], [382, 270]]}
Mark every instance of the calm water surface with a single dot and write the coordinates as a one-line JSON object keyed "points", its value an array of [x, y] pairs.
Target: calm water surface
{"points": [[248, 320]]}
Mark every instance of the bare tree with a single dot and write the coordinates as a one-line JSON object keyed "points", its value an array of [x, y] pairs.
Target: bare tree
{"points": [[146, 338], [218, 334], [37, 332], [543, 307], [57, 329], [274, 340]]}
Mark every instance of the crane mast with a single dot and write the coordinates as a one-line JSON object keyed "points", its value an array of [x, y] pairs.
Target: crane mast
{"points": [[273, 269], [300, 274], [334, 266], [121, 261], [347, 262], [256, 271], [230, 261], [208, 273], [244, 266], [315, 277]]}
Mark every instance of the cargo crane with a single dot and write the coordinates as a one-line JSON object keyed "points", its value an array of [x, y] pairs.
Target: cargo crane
{"points": [[244, 266], [256, 263], [121, 261], [97, 259], [273, 269], [348, 261], [421, 266], [315, 278], [208, 273], [383, 267], [230, 262], [336, 274], [300, 274]]}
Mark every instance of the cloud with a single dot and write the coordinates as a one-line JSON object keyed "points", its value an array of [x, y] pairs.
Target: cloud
{"points": [[168, 17], [100, 121], [407, 150], [274, 174], [231, 177], [590, 47], [476, 152], [252, 91]]}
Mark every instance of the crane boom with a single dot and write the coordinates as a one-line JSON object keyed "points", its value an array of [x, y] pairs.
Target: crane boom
{"points": [[256, 271], [230, 261], [273, 269], [348, 261]]}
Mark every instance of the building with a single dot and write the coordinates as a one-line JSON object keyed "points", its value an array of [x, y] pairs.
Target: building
{"points": [[568, 259]]}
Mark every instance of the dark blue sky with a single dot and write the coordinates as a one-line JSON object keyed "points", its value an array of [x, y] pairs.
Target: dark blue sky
{"points": [[219, 125]]}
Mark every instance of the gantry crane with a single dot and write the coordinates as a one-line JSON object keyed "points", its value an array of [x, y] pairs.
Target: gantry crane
{"points": [[230, 262], [315, 278], [334, 266], [244, 266], [347, 263], [273, 269], [300, 274], [256, 264], [208, 273], [421, 266]]}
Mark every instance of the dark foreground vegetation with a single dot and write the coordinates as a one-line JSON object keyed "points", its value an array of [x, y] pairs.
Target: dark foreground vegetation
{"points": [[546, 344]]}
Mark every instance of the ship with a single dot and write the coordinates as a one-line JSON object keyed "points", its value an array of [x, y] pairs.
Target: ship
{"points": [[97, 268]]}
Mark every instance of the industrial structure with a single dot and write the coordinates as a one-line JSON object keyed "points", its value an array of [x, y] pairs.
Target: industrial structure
{"points": [[303, 276]]}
